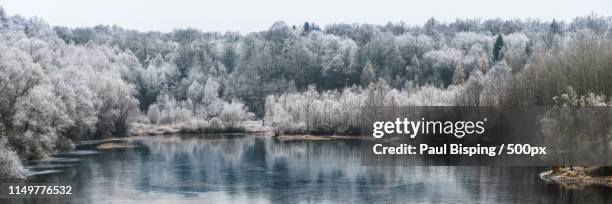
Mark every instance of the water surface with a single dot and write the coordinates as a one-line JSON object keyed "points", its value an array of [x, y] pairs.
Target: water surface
{"points": [[252, 169]]}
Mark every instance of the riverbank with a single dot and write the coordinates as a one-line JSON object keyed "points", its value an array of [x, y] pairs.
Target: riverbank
{"points": [[576, 178], [286, 138], [146, 129]]}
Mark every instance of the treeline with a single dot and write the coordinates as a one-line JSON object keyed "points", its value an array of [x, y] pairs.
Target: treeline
{"points": [[576, 73], [251, 66]]}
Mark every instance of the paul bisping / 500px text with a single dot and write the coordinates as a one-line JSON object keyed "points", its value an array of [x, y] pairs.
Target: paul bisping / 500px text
{"points": [[458, 149]]}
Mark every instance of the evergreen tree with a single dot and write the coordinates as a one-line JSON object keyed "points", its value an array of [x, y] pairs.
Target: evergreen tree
{"points": [[497, 48], [306, 27], [555, 27], [553, 32], [431, 27]]}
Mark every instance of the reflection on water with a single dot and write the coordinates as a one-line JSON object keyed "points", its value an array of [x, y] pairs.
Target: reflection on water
{"points": [[247, 169]]}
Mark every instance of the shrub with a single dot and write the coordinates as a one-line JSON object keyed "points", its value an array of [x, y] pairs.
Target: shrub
{"points": [[234, 113], [214, 126], [10, 165]]}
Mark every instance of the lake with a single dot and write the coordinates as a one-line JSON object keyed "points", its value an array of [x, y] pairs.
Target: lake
{"points": [[254, 169]]}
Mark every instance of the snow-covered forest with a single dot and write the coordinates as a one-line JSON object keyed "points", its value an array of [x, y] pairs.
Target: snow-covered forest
{"points": [[60, 85]]}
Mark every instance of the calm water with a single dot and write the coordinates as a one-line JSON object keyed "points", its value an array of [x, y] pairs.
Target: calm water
{"points": [[248, 169]]}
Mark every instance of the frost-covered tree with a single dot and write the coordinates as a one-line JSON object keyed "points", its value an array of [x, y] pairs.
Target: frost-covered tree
{"points": [[467, 40], [367, 74], [458, 75], [10, 163], [168, 110], [195, 93], [234, 113], [118, 106], [440, 65], [515, 47], [496, 83]]}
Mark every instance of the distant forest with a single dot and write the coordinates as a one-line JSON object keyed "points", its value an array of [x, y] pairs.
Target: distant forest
{"points": [[59, 85], [284, 58]]}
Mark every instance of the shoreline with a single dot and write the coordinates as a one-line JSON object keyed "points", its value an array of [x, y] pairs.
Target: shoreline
{"points": [[310, 137], [576, 178], [145, 129]]}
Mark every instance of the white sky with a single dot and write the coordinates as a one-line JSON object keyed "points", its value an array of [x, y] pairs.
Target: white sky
{"points": [[256, 15]]}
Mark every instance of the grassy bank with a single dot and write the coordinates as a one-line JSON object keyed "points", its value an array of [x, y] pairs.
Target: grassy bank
{"points": [[198, 127]]}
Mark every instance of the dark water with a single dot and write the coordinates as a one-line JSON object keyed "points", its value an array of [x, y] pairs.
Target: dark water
{"points": [[248, 169]]}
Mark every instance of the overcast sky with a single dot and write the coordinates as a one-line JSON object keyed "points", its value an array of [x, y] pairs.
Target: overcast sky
{"points": [[256, 15]]}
